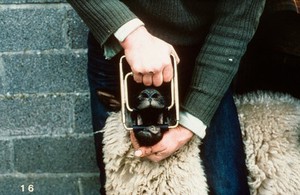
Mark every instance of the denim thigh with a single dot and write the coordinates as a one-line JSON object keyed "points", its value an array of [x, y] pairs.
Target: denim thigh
{"points": [[102, 75], [222, 152]]}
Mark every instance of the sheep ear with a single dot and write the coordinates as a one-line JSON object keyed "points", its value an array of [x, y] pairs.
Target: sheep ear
{"points": [[160, 119], [109, 100], [139, 120]]}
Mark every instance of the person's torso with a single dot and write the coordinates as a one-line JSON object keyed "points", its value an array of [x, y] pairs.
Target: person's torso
{"points": [[179, 22]]}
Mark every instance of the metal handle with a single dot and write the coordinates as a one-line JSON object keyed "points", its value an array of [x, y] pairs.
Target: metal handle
{"points": [[124, 93]]}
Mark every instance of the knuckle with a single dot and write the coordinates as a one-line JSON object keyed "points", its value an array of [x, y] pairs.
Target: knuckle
{"points": [[138, 80], [135, 68], [156, 69]]}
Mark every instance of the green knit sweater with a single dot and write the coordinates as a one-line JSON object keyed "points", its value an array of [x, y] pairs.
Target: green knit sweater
{"points": [[226, 25]]}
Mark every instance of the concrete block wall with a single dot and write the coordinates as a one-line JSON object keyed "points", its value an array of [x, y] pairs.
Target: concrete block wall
{"points": [[46, 140]]}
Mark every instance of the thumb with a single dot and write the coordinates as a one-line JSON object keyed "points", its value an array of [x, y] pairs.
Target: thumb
{"points": [[143, 151], [139, 151]]}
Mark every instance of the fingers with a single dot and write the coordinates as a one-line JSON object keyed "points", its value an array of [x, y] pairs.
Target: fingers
{"points": [[157, 79], [138, 77], [148, 79], [168, 74], [151, 154], [153, 75], [154, 153], [158, 156]]}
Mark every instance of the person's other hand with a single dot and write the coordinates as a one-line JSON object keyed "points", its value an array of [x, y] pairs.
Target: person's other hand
{"points": [[149, 57], [172, 140]]}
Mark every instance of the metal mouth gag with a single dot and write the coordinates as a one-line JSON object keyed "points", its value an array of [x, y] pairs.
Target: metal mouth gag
{"points": [[127, 109]]}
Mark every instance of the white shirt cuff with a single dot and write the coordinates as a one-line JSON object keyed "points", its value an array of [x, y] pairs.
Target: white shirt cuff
{"points": [[127, 28], [193, 124]]}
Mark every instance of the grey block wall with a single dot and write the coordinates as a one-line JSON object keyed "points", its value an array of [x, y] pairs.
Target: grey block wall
{"points": [[46, 140]]}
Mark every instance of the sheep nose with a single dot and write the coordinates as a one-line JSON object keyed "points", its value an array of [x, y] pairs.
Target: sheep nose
{"points": [[150, 93]]}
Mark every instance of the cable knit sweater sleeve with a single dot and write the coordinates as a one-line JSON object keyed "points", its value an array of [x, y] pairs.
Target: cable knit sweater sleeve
{"points": [[100, 16], [218, 61]]}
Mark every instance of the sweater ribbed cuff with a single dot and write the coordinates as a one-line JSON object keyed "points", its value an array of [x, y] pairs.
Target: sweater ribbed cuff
{"points": [[193, 124], [127, 28]]}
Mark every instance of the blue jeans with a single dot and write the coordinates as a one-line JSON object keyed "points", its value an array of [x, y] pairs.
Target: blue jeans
{"points": [[222, 149]]}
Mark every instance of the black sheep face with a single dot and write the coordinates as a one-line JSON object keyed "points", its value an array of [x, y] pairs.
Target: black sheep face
{"points": [[150, 98], [149, 117]]}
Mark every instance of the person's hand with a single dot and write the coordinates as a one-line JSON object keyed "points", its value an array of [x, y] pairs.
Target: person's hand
{"points": [[172, 141], [149, 57]]}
